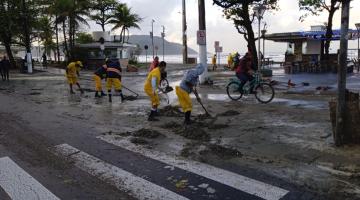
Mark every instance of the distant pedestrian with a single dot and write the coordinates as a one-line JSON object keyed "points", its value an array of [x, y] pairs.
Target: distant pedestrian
{"points": [[230, 60], [1, 71], [213, 62], [44, 60], [5, 65]]}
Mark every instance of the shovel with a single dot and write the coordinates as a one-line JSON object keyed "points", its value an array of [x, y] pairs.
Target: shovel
{"points": [[136, 94], [199, 100]]}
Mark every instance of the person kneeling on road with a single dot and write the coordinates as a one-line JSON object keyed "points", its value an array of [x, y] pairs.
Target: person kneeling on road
{"points": [[151, 89], [72, 74], [113, 78], [100, 74], [187, 85]]}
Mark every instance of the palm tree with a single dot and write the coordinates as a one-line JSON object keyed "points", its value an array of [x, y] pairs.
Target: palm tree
{"points": [[70, 13], [124, 19], [103, 10]]}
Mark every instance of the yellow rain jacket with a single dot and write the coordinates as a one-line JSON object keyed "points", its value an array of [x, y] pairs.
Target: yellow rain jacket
{"points": [[71, 72], [148, 87]]}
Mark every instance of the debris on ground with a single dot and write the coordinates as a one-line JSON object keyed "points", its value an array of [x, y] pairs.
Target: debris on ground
{"points": [[171, 125], [34, 93], [229, 113], [323, 88], [146, 133], [221, 151], [171, 111], [138, 140], [181, 184], [130, 98], [88, 90], [217, 126], [193, 132]]}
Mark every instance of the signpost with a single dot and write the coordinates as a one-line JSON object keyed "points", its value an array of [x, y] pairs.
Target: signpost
{"points": [[218, 50], [146, 48]]}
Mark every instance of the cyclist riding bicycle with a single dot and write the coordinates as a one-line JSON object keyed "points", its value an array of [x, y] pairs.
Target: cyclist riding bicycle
{"points": [[244, 70]]}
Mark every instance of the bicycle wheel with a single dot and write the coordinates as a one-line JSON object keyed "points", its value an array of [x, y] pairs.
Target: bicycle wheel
{"points": [[264, 92], [164, 83], [233, 91]]}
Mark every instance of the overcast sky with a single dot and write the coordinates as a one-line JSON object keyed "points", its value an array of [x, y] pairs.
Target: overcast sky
{"points": [[168, 13]]}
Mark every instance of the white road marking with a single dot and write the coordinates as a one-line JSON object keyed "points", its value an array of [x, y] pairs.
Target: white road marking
{"points": [[19, 185], [138, 187], [239, 182]]}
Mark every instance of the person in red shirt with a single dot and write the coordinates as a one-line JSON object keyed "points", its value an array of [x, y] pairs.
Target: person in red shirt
{"points": [[244, 69], [154, 64]]}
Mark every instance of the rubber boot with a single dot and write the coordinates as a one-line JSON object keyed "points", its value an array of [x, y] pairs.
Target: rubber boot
{"points": [[151, 117], [187, 118], [122, 96], [97, 94]]}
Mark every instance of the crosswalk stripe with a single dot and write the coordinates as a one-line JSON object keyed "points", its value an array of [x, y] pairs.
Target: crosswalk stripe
{"points": [[239, 182], [20, 185], [139, 187]]}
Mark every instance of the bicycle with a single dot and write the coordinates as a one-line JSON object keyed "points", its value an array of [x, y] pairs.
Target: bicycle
{"points": [[263, 92]]}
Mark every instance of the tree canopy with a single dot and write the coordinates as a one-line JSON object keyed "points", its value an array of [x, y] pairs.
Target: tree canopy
{"points": [[242, 15]]}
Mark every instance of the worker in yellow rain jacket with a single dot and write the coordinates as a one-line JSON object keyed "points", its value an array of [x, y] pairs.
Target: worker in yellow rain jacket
{"points": [[187, 85], [230, 60], [113, 78], [213, 62], [100, 74], [151, 89], [72, 74]]}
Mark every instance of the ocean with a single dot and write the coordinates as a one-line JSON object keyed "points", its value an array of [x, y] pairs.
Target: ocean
{"points": [[276, 57]]}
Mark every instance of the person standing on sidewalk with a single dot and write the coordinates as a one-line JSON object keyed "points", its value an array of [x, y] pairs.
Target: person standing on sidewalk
{"points": [[5, 65], [187, 85], [151, 86], [72, 74]]}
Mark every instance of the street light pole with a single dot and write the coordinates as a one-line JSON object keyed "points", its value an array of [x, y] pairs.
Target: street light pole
{"points": [[152, 36], [184, 28], [163, 37], [259, 11]]}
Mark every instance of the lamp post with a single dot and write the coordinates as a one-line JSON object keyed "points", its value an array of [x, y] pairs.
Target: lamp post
{"points": [[357, 25], [152, 36], [163, 37], [263, 32], [259, 11]]}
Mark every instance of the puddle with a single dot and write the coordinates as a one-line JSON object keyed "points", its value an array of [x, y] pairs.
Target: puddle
{"points": [[301, 103]]}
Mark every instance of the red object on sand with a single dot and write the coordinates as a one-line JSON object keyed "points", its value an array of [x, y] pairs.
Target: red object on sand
{"points": [[290, 84]]}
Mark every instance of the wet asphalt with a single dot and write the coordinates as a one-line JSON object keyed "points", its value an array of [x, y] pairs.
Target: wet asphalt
{"points": [[37, 113]]}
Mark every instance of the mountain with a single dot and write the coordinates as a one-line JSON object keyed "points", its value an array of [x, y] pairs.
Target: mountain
{"points": [[171, 48]]}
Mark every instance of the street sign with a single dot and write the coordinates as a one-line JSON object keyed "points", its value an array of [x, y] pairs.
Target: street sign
{"points": [[218, 49], [201, 37]]}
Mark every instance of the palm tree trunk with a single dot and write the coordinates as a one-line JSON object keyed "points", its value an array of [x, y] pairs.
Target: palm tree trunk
{"points": [[10, 54], [65, 42], [57, 54]]}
